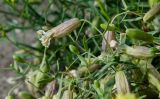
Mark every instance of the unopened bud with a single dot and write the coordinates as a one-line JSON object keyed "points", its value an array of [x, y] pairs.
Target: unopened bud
{"points": [[153, 2], [138, 34], [73, 49], [122, 85], [140, 52], [155, 10], [25, 95]]}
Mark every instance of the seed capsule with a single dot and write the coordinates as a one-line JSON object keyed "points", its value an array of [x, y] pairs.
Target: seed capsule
{"points": [[139, 35], [152, 13], [121, 83], [58, 31]]}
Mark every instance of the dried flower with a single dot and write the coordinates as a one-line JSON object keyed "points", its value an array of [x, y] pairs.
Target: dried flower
{"points": [[122, 85], [113, 43], [108, 39], [58, 31], [74, 73]]}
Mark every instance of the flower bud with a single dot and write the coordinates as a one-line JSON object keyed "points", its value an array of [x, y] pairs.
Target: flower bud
{"points": [[155, 10], [25, 95], [73, 49], [154, 80], [139, 35], [152, 73], [110, 27], [153, 2], [122, 85], [141, 52]]}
